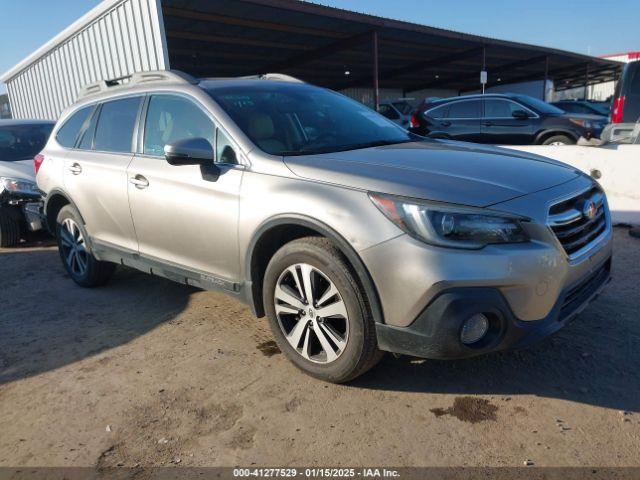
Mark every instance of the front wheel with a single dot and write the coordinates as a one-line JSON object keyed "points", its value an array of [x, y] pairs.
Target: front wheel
{"points": [[75, 251], [318, 312], [559, 140]]}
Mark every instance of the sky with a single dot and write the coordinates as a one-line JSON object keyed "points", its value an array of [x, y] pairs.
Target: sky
{"points": [[591, 27]]}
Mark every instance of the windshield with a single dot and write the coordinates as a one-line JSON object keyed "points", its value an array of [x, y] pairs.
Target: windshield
{"points": [[404, 108], [302, 120], [22, 142], [539, 105]]}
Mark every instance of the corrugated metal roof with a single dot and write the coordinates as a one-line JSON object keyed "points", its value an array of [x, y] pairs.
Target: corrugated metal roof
{"points": [[115, 39]]}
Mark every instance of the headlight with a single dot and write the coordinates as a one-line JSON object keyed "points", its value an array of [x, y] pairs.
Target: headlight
{"points": [[588, 124], [449, 225], [16, 185]]}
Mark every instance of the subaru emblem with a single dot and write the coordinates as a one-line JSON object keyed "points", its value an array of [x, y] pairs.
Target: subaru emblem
{"points": [[589, 210]]}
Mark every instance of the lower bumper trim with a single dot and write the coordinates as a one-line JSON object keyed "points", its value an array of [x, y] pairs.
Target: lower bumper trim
{"points": [[436, 332]]}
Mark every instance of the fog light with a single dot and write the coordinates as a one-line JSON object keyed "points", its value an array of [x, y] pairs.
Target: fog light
{"points": [[474, 329]]}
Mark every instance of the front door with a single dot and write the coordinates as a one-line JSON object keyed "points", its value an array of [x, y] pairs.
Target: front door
{"points": [[500, 127], [182, 215]]}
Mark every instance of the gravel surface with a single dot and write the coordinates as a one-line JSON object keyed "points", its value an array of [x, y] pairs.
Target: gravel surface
{"points": [[148, 372]]}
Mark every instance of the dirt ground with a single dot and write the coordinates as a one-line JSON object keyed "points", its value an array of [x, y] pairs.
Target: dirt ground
{"points": [[148, 372]]}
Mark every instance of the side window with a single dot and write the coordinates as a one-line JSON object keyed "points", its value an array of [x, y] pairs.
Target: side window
{"points": [[388, 112], [86, 143], [225, 152], [495, 108], [68, 134], [440, 112], [115, 125], [465, 109], [171, 118]]}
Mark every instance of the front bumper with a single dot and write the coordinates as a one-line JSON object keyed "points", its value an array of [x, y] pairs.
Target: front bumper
{"points": [[27, 211], [33, 216], [436, 331]]}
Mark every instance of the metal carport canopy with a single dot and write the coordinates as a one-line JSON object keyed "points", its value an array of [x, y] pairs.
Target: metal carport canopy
{"points": [[223, 38], [319, 44]]}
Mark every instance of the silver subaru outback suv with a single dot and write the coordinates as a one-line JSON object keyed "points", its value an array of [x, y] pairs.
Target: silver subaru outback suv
{"points": [[350, 234]]}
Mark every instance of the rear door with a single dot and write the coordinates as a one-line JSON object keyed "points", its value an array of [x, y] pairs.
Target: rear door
{"points": [[95, 173], [462, 121], [182, 215], [500, 127]]}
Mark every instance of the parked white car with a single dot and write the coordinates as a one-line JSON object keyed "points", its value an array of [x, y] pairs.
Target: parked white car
{"points": [[20, 143], [615, 166]]}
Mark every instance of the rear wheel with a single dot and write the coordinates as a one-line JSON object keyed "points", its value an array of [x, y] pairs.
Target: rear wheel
{"points": [[75, 252], [9, 227], [318, 312], [559, 140]]}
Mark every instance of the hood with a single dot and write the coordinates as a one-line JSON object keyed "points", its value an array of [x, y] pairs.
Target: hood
{"points": [[585, 116], [443, 171], [19, 169]]}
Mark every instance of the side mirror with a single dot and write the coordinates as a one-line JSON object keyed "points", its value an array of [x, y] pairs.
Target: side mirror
{"points": [[228, 155], [189, 151], [519, 114]]}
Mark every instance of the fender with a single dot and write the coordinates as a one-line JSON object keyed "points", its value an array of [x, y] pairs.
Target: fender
{"points": [[308, 222]]}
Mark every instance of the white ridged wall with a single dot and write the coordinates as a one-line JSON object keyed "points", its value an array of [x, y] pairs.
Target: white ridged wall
{"points": [[125, 38]]}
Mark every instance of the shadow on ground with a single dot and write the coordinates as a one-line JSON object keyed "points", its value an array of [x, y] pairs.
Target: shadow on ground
{"points": [[48, 322]]}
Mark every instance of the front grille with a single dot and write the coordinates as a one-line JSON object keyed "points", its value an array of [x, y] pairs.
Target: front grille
{"points": [[580, 293], [572, 226]]}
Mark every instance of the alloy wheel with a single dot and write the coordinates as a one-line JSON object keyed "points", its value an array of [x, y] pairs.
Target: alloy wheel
{"points": [[311, 313], [73, 246]]}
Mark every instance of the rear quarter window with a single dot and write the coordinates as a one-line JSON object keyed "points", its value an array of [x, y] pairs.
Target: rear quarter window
{"points": [[68, 133]]}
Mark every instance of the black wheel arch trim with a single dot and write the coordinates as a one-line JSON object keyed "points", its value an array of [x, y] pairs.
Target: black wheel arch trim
{"points": [[253, 294], [555, 131], [53, 193]]}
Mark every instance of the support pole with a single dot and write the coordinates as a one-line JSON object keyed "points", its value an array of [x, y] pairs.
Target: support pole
{"points": [[484, 63], [586, 81], [546, 79], [376, 86]]}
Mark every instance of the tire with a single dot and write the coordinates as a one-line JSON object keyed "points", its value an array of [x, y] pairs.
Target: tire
{"points": [[350, 335], [75, 251], [9, 228], [559, 140]]}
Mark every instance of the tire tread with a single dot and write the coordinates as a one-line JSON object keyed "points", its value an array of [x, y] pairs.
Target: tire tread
{"points": [[9, 228]]}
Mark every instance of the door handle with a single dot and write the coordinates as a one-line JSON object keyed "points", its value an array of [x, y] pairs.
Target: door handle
{"points": [[445, 123], [487, 124], [75, 168], [139, 181]]}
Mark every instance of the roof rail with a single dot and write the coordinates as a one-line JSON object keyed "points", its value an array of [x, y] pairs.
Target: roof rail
{"points": [[281, 77], [137, 78]]}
